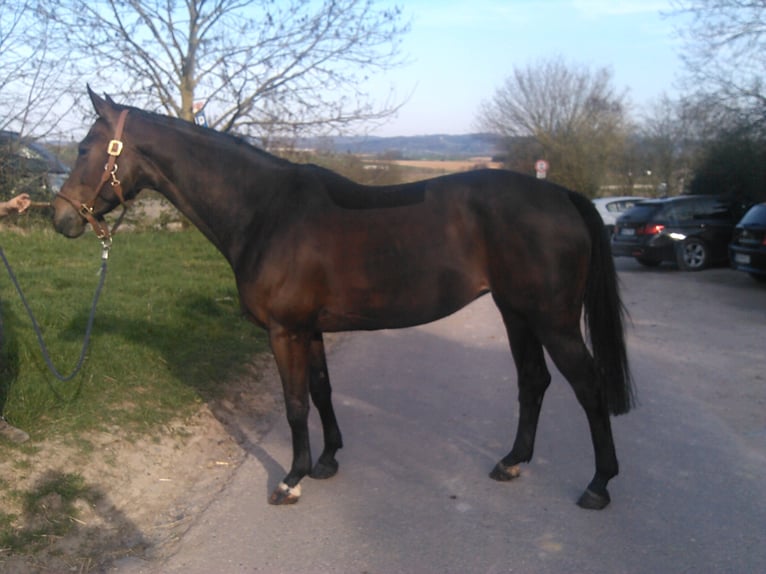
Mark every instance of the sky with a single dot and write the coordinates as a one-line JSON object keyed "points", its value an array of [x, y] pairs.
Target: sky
{"points": [[460, 52]]}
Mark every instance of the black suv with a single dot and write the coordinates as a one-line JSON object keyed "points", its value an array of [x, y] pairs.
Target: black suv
{"points": [[27, 167], [692, 230], [747, 250]]}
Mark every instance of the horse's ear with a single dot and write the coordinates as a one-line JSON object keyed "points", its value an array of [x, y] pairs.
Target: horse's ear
{"points": [[102, 106]]}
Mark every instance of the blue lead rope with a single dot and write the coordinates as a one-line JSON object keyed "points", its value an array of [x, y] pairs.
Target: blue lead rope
{"points": [[102, 273]]}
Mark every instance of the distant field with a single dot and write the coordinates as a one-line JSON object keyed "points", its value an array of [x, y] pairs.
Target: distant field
{"points": [[451, 165], [411, 170]]}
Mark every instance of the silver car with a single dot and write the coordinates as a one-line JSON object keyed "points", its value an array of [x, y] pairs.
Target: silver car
{"points": [[610, 208]]}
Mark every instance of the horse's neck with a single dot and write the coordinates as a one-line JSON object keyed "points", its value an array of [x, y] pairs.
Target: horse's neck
{"points": [[220, 208]]}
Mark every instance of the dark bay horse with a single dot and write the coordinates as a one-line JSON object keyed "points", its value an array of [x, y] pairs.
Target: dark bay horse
{"points": [[313, 252]]}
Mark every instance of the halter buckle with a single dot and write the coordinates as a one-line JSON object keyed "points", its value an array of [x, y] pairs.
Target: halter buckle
{"points": [[114, 148], [102, 234]]}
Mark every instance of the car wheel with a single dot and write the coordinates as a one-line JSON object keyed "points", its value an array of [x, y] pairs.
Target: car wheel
{"points": [[648, 262], [692, 254]]}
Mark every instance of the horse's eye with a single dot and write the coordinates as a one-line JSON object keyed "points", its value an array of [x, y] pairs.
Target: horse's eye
{"points": [[82, 151]]}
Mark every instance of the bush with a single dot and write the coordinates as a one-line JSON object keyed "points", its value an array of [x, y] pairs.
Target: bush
{"points": [[734, 164]]}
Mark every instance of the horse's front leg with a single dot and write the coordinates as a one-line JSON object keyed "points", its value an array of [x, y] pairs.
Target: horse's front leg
{"points": [[291, 351]]}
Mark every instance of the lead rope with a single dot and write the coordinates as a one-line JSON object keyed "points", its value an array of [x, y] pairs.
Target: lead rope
{"points": [[106, 245]]}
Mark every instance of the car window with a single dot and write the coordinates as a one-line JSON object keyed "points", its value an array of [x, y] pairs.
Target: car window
{"points": [[681, 211], [698, 209], [711, 208], [642, 212], [613, 207], [755, 216], [619, 206]]}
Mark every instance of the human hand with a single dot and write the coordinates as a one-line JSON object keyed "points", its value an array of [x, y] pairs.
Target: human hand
{"points": [[20, 203]]}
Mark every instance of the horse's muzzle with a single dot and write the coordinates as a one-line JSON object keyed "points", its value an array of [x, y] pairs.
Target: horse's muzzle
{"points": [[66, 220]]}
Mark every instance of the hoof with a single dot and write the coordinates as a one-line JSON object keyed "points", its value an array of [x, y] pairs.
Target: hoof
{"points": [[504, 473], [324, 470], [593, 501], [283, 495]]}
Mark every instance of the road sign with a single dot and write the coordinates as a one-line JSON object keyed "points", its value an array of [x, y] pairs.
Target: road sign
{"points": [[198, 109], [541, 167]]}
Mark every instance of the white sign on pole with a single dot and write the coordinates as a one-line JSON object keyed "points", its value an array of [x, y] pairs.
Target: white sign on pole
{"points": [[541, 168]]}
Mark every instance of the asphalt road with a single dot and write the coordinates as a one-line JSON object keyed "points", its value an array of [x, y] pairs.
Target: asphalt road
{"points": [[426, 413]]}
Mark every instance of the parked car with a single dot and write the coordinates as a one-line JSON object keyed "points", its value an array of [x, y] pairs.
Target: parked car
{"points": [[27, 166], [610, 208], [693, 231], [747, 250]]}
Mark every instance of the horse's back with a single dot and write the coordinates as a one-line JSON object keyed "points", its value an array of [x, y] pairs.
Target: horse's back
{"points": [[346, 194], [516, 213]]}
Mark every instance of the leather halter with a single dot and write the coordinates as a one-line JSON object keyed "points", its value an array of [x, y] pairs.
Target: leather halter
{"points": [[85, 209]]}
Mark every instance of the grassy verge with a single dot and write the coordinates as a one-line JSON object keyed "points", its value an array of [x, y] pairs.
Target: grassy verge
{"points": [[168, 327], [168, 333]]}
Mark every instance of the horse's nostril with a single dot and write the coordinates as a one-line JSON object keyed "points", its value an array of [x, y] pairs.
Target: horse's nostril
{"points": [[68, 223]]}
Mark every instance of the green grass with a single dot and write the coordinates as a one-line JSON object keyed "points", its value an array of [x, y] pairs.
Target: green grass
{"points": [[168, 330]]}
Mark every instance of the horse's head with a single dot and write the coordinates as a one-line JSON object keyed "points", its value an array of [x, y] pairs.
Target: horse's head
{"points": [[103, 176]]}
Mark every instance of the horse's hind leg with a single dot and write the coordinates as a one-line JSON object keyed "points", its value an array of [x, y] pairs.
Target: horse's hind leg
{"points": [[533, 380], [321, 395], [575, 362]]}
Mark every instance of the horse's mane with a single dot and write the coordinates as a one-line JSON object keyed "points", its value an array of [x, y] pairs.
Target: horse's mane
{"points": [[342, 191], [194, 131]]}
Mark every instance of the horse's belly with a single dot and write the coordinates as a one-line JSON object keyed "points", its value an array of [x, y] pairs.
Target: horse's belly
{"points": [[393, 304]]}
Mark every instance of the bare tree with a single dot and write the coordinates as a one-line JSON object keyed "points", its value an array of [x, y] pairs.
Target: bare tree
{"points": [[669, 142], [33, 87], [574, 115], [259, 66], [724, 50]]}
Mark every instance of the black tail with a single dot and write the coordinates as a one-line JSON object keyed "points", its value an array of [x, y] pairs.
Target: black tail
{"points": [[604, 314]]}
